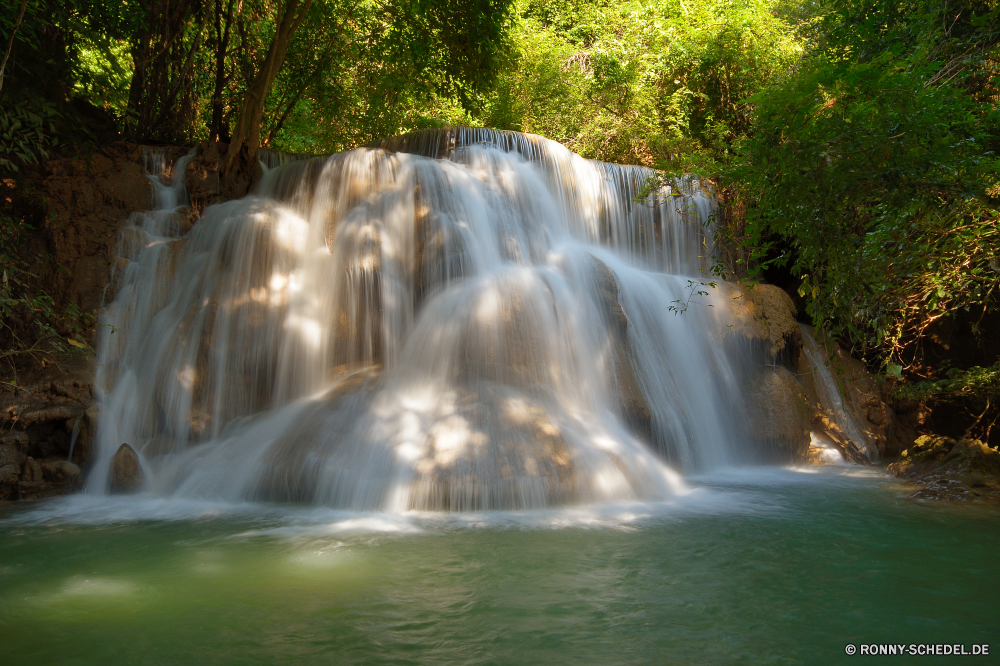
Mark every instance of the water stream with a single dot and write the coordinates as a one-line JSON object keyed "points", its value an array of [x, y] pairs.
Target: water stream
{"points": [[458, 320]]}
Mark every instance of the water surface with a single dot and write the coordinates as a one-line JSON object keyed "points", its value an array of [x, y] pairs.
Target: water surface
{"points": [[751, 566]]}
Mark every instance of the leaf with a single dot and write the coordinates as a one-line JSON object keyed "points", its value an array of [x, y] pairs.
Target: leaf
{"points": [[75, 343]]}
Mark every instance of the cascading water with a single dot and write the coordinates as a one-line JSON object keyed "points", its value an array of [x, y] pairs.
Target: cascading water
{"points": [[453, 319]]}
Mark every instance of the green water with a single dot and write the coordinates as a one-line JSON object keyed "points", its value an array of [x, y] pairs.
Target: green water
{"points": [[759, 566]]}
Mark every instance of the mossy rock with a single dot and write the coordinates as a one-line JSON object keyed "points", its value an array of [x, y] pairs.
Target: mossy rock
{"points": [[951, 470]]}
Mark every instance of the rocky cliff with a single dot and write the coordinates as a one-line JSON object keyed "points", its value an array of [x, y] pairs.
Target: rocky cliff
{"points": [[77, 207]]}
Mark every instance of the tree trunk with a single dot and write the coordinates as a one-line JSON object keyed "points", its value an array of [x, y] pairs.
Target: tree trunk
{"points": [[172, 97], [10, 43], [150, 86], [221, 48], [242, 152]]}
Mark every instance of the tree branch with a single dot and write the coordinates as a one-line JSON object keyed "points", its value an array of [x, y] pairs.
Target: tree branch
{"points": [[10, 42]]}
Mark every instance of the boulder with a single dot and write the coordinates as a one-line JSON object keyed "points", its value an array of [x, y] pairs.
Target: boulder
{"points": [[763, 318], [126, 471], [9, 475], [966, 470], [33, 474], [843, 402], [766, 342], [779, 415], [632, 401], [10, 464], [9, 455], [499, 450], [16, 438], [58, 471]]}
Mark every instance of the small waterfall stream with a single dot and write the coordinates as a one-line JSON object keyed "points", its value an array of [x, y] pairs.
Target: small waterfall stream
{"points": [[449, 320]]}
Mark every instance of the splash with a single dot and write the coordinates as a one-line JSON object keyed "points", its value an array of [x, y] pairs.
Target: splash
{"points": [[456, 319]]}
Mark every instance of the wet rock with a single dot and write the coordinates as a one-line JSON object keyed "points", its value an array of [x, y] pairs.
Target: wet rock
{"points": [[765, 337], [9, 455], [33, 474], [58, 471], [779, 415], [291, 469], [10, 464], [126, 471], [16, 438], [763, 319], [844, 403], [202, 176], [82, 451], [88, 200], [845, 399], [962, 470], [497, 448], [9, 475], [500, 450]]}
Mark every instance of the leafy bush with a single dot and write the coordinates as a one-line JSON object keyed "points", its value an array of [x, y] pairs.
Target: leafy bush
{"points": [[27, 133], [872, 175], [872, 172], [976, 389], [655, 82]]}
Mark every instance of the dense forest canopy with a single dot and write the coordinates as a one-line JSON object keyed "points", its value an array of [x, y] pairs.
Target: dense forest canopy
{"points": [[854, 142]]}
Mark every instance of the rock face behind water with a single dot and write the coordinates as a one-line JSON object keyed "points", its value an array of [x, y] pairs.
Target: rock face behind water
{"points": [[798, 382], [126, 472], [764, 331], [966, 469], [58, 471], [779, 414], [10, 464]]}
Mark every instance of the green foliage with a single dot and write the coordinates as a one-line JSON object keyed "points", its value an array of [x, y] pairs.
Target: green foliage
{"points": [[27, 133], [357, 70], [362, 72], [874, 166], [872, 174], [975, 389], [655, 82], [103, 76], [978, 383]]}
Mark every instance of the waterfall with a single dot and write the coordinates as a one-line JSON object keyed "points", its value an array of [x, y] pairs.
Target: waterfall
{"points": [[844, 426], [458, 319]]}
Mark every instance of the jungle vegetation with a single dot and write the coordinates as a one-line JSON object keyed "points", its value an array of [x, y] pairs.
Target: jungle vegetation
{"points": [[854, 142]]}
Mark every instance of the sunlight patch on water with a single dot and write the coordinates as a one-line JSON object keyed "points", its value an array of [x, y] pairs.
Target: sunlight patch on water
{"points": [[87, 589], [78, 586], [209, 562], [326, 558], [311, 524]]}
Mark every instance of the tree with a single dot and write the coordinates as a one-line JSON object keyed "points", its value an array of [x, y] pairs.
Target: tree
{"points": [[872, 175], [246, 136]]}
